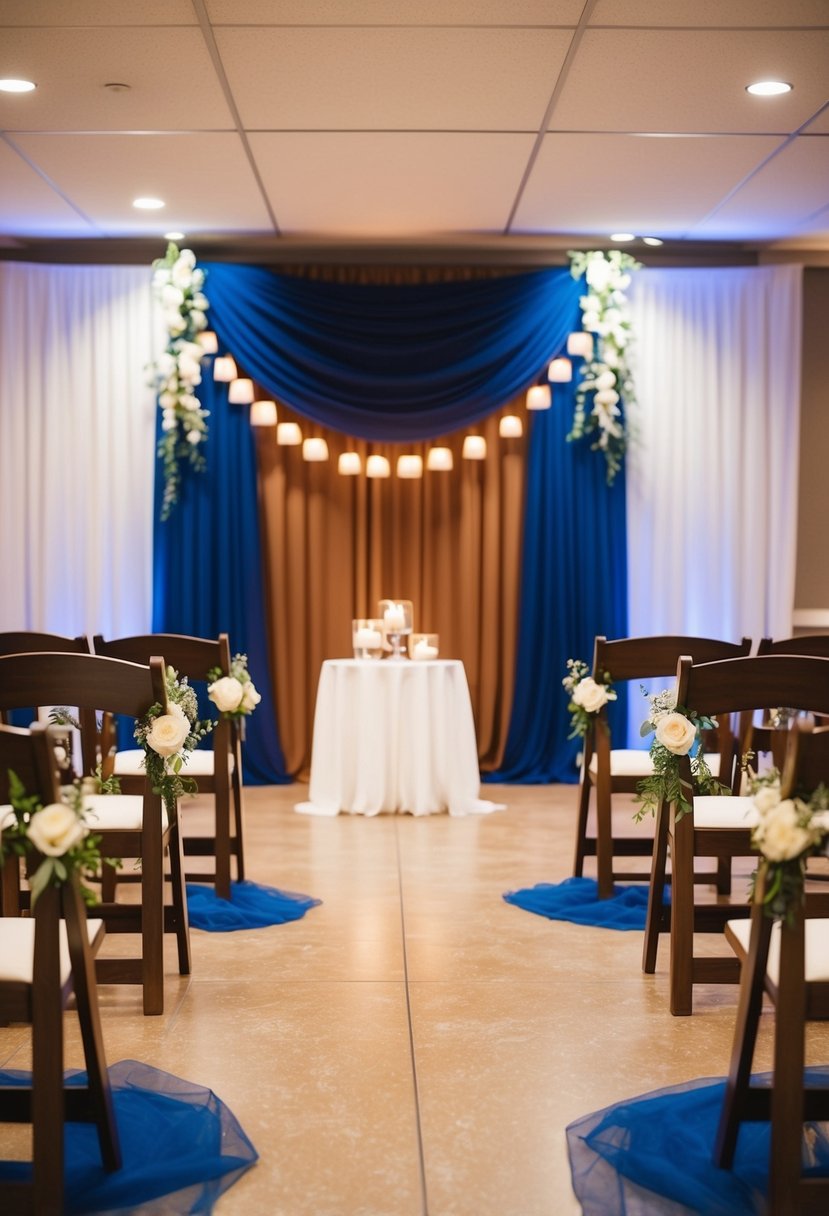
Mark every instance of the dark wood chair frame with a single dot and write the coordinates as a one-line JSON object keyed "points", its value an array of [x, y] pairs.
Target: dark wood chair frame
{"points": [[728, 687], [194, 657], [46, 1103], [93, 683], [620, 660]]}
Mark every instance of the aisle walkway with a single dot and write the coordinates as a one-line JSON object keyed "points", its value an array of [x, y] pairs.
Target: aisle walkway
{"points": [[414, 1045]]}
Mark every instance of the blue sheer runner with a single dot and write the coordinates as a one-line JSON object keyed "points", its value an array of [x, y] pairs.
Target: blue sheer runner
{"points": [[577, 900], [182, 1148], [250, 907], [653, 1155]]}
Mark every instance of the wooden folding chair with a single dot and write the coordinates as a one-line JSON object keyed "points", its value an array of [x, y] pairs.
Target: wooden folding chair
{"points": [[217, 772], [24, 641], [43, 960], [618, 770], [790, 963], [720, 827], [129, 825]]}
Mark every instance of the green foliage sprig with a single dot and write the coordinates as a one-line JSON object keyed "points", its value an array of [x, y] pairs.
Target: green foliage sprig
{"points": [[606, 380], [677, 732]]}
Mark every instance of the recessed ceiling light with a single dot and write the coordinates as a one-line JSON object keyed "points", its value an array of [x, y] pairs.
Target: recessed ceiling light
{"points": [[17, 86], [148, 204], [621, 237], [651, 240], [768, 88], [173, 236]]}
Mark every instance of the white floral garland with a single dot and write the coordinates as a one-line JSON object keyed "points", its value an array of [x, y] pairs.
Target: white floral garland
{"points": [[606, 378], [177, 284]]}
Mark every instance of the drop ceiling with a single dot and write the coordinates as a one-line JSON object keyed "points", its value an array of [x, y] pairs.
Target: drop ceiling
{"points": [[416, 120]]}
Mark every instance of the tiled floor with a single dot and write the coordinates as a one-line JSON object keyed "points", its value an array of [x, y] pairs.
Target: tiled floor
{"points": [[415, 1045]]}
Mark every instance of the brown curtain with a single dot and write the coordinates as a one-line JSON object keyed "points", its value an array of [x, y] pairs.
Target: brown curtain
{"points": [[335, 545]]}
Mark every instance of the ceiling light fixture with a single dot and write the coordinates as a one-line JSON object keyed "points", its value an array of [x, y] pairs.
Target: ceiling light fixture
{"points": [[173, 236], [17, 86], [622, 237], [148, 204], [651, 240], [769, 88]]}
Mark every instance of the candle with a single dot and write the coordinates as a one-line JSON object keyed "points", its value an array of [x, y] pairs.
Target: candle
{"points": [[394, 618], [367, 639], [423, 650]]}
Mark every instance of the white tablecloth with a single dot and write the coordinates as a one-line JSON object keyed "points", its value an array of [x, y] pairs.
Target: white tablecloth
{"points": [[394, 736]]}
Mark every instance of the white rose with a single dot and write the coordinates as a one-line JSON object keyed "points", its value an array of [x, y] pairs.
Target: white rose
{"points": [[194, 437], [166, 364], [175, 323], [197, 319], [55, 829], [675, 732], [161, 277], [172, 296], [767, 798], [182, 275], [590, 695], [606, 396], [605, 381], [590, 320], [200, 300], [781, 836], [188, 367], [168, 732], [612, 317], [168, 422], [167, 400], [226, 694], [250, 696], [186, 258], [598, 274], [178, 712]]}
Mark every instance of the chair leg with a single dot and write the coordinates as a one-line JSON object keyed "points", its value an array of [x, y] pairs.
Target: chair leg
{"points": [[655, 919], [109, 884], [179, 893], [723, 876], [581, 825], [747, 1024], [152, 911], [47, 1066], [787, 1094], [238, 808], [10, 886], [682, 915], [222, 808], [86, 999], [604, 840]]}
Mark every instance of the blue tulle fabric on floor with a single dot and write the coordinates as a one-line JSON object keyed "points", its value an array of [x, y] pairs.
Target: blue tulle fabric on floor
{"points": [[577, 900], [181, 1147], [250, 907], [653, 1155]]}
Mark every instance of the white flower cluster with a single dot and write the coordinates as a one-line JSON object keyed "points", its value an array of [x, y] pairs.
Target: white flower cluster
{"points": [[786, 828], [607, 375], [55, 829], [178, 283], [235, 694], [168, 732], [587, 696]]}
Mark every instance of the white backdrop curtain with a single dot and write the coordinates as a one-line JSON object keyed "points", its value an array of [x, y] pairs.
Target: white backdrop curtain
{"points": [[77, 425], [712, 476]]}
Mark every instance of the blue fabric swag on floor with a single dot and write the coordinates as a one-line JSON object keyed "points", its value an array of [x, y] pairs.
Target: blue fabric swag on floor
{"points": [[250, 907], [653, 1155], [181, 1147], [577, 900]]}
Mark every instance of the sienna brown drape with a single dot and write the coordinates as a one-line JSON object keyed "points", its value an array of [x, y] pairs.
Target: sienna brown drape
{"points": [[335, 545]]}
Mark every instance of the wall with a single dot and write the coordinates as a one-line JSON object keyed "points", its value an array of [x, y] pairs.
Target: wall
{"points": [[812, 578]]}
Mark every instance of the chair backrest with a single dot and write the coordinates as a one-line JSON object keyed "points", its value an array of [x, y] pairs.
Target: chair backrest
{"points": [[816, 644], [191, 657], [644, 658], [28, 642], [28, 754], [90, 682], [735, 685], [807, 759]]}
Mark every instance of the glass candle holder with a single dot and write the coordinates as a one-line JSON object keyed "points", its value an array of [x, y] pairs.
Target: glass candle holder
{"points": [[397, 625], [423, 646], [367, 637]]}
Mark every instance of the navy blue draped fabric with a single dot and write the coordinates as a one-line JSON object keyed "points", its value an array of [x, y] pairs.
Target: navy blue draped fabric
{"points": [[207, 575], [573, 586], [392, 362]]}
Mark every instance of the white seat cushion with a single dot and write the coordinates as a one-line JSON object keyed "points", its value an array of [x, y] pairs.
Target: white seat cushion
{"points": [[199, 763], [17, 948], [632, 762], [711, 812], [117, 812], [817, 948]]}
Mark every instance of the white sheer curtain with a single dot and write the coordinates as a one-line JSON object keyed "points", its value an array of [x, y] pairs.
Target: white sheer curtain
{"points": [[712, 477], [77, 425]]}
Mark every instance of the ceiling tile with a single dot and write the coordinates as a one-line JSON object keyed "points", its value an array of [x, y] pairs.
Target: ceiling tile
{"points": [[173, 83], [768, 207], [702, 13], [204, 179], [821, 124], [29, 206], [96, 12], [381, 184], [684, 80], [656, 186], [392, 79], [394, 12]]}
